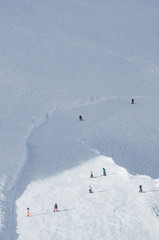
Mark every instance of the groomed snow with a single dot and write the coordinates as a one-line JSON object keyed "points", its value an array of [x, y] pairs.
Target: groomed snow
{"points": [[115, 209]]}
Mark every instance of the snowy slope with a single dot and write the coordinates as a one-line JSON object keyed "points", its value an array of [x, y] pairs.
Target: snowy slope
{"points": [[59, 56], [58, 166], [115, 210]]}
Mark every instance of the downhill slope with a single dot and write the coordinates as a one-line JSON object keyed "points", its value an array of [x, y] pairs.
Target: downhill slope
{"points": [[115, 209], [61, 56], [61, 154]]}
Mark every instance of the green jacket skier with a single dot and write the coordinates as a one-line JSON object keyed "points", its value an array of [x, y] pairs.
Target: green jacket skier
{"points": [[104, 172]]}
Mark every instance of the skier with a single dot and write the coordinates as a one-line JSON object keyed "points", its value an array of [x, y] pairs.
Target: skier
{"points": [[80, 118], [104, 172], [28, 214], [132, 101], [90, 189], [55, 207], [140, 188], [91, 176]]}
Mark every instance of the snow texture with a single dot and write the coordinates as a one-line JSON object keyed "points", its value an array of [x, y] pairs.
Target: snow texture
{"points": [[58, 60]]}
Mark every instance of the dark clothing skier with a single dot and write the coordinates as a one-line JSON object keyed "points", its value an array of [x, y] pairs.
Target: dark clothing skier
{"points": [[80, 118], [56, 208], [132, 101], [91, 176], [104, 172], [140, 188]]}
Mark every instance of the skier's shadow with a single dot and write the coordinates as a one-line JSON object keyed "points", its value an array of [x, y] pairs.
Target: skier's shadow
{"points": [[97, 176], [47, 213], [38, 214], [65, 210], [148, 191], [102, 191]]}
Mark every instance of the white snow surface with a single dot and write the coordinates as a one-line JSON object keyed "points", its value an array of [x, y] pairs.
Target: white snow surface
{"points": [[115, 210], [60, 59]]}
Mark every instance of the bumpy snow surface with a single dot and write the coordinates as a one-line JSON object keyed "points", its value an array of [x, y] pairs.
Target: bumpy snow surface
{"points": [[58, 60]]}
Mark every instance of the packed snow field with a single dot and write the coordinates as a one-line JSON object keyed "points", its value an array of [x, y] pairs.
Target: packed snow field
{"points": [[56, 173], [60, 59], [115, 209]]}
